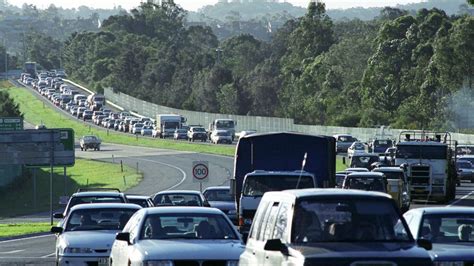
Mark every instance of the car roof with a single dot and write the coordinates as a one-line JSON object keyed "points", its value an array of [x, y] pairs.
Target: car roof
{"points": [[329, 192], [182, 209], [418, 143], [444, 210], [362, 169], [466, 156], [98, 194], [137, 197], [366, 174], [179, 192], [217, 188], [105, 206], [365, 154], [390, 169], [342, 135]]}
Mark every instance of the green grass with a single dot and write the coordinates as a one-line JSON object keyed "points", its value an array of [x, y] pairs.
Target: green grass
{"points": [[18, 229], [17, 198], [36, 112], [339, 165]]}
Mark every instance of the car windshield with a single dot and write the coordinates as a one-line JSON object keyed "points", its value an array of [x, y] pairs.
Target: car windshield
{"points": [[256, 185], [347, 220], [346, 139], [448, 228], [224, 133], [90, 138], [358, 146], [218, 195], [180, 199], [188, 226], [419, 151], [465, 150], [393, 175], [139, 201], [383, 143], [369, 183], [471, 160], [363, 161], [199, 129], [181, 131], [225, 124], [98, 219], [93, 199]]}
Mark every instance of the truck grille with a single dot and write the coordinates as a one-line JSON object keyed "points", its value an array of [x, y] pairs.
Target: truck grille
{"points": [[420, 175]]}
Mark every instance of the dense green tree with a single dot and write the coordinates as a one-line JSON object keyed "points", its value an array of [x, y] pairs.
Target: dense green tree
{"points": [[8, 107]]}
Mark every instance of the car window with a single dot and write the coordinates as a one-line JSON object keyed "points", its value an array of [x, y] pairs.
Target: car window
{"points": [[257, 222], [181, 199], [281, 225], [270, 224], [448, 228], [218, 195], [320, 220], [264, 222], [98, 219], [187, 226]]}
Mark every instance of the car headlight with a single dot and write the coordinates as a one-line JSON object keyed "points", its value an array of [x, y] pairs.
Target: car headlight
{"points": [[232, 263], [448, 263], [77, 250], [158, 263]]}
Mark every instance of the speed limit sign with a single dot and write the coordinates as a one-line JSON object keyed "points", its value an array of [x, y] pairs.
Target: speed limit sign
{"points": [[200, 170]]}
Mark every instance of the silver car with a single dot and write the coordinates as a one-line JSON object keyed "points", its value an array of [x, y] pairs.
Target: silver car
{"points": [[87, 234], [167, 235]]}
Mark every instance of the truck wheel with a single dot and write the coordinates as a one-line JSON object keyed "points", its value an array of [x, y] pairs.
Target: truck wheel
{"points": [[82, 148], [98, 148]]}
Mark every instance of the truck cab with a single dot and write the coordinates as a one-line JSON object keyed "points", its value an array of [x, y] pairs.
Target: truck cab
{"points": [[223, 124]]}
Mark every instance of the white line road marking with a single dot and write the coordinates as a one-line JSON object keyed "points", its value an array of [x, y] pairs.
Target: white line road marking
{"points": [[12, 252], [463, 198], [172, 166], [49, 255], [26, 238]]}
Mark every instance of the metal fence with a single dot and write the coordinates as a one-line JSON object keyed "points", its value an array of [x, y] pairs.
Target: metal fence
{"points": [[259, 123]]}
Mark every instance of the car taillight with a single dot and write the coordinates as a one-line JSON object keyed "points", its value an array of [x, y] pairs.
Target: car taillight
{"points": [[241, 221]]}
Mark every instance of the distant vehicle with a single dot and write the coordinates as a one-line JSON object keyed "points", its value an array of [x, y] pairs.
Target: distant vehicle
{"points": [[197, 133], [96, 101], [79, 97], [223, 124], [364, 160], [430, 162], [221, 136], [290, 160], [166, 124], [343, 142], [355, 149], [220, 198], [146, 131], [92, 195], [80, 112], [449, 229], [180, 198], [30, 68], [177, 236], [137, 128], [144, 201], [465, 150], [87, 115], [88, 232], [90, 142], [379, 146], [180, 133], [465, 170], [398, 186], [369, 181], [331, 227]]}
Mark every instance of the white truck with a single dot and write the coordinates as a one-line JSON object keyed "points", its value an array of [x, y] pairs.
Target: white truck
{"points": [[429, 158], [95, 101], [223, 124], [166, 124]]}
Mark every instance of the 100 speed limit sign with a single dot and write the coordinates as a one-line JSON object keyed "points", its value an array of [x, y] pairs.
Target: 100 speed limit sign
{"points": [[200, 171]]}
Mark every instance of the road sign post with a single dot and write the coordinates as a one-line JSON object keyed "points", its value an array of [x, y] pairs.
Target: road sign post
{"points": [[200, 172]]}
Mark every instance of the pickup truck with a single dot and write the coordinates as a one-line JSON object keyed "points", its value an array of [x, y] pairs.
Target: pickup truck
{"points": [[90, 142]]}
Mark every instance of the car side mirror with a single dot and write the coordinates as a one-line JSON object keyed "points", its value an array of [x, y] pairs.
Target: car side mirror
{"points": [[123, 236], [56, 230], [425, 243], [276, 245], [58, 215]]}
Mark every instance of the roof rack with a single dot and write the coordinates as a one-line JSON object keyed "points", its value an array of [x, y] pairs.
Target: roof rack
{"points": [[97, 189]]}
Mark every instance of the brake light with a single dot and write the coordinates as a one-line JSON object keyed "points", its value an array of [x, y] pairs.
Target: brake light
{"points": [[241, 221]]}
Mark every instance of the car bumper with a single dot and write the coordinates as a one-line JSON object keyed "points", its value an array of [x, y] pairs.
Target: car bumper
{"points": [[77, 260]]}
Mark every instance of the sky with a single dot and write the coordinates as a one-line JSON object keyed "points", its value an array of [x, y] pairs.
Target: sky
{"points": [[196, 4]]}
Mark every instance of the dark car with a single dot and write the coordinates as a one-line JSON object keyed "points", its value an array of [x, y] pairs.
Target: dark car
{"points": [[220, 198], [449, 229], [331, 227]]}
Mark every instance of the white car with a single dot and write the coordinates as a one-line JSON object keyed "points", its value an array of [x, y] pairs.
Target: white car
{"points": [[221, 136], [170, 235], [137, 128], [146, 130], [88, 232], [356, 148]]}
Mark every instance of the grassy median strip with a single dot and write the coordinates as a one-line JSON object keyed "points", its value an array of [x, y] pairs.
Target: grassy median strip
{"points": [[36, 112], [18, 198], [18, 229]]}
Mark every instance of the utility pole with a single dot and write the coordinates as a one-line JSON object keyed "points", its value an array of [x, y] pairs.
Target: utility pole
{"points": [[6, 56]]}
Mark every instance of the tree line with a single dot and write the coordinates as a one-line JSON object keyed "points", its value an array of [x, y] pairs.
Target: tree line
{"points": [[399, 69]]}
